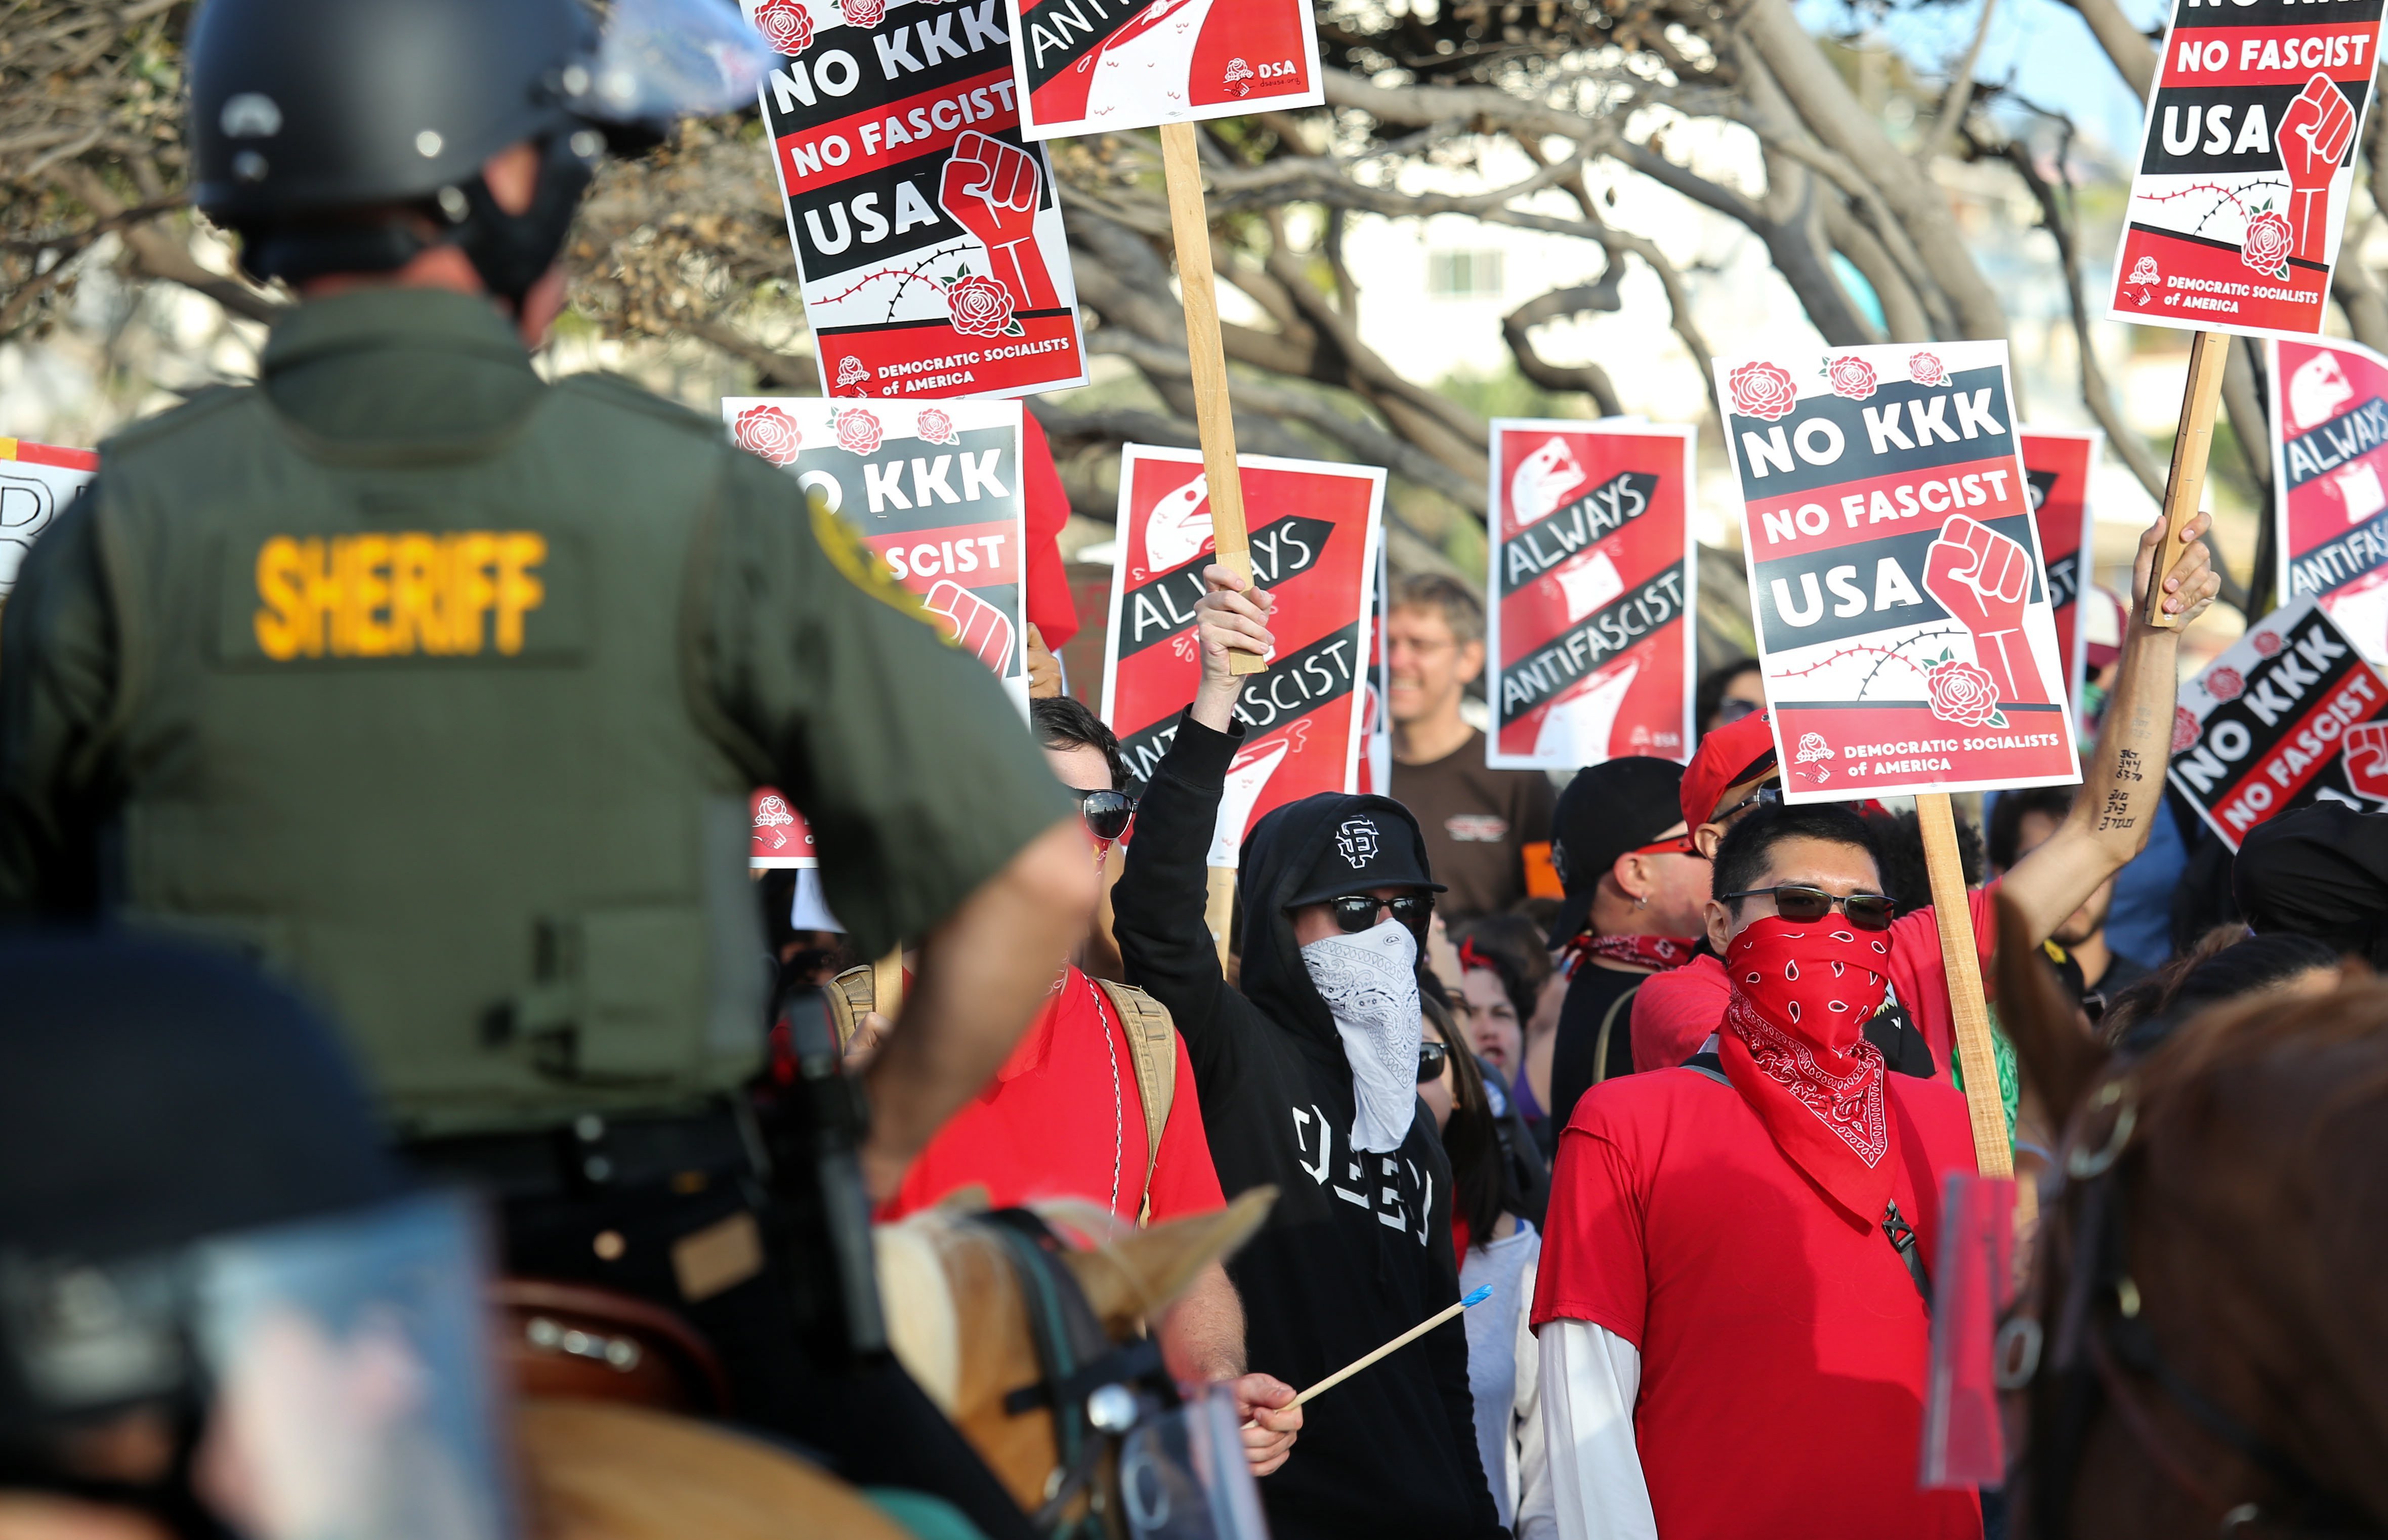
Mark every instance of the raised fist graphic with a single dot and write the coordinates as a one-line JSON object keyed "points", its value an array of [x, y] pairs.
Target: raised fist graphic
{"points": [[1983, 579], [990, 189], [2314, 133], [2365, 760], [978, 626]]}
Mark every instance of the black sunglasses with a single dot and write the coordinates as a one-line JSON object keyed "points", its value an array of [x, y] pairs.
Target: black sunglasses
{"points": [[1106, 813], [1430, 1061], [1764, 796], [1805, 905], [1355, 913]]}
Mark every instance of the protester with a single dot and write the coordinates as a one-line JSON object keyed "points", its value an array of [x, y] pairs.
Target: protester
{"points": [[226, 1314], [483, 789], [1308, 1073], [1723, 1245], [1515, 986], [1905, 874], [1497, 1247], [1069, 1115], [1635, 892], [2319, 870], [1726, 693], [2021, 823], [2123, 777], [1484, 828]]}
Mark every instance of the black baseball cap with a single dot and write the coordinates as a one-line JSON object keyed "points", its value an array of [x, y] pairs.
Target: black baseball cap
{"points": [[1369, 847], [1606, 811]]}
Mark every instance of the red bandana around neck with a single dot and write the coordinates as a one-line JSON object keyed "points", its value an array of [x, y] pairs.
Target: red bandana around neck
{"points": [[1658, 953], [1793, 1045]]}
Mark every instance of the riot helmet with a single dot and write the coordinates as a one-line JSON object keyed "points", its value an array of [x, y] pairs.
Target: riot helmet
{"points": [[348, 135], [221, 1306]]}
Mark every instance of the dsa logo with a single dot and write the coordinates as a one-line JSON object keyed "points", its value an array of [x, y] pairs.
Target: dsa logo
{"points": [[1812, 749], [771, 818], [850, 372], [1357, 841]]}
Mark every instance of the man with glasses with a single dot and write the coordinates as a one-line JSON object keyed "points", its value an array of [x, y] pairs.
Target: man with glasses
{"points": [[1309, 1069], [1072, 1112]]}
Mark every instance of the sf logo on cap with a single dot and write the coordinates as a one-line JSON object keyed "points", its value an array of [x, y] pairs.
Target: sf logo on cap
{"points": [[1357, 840]]}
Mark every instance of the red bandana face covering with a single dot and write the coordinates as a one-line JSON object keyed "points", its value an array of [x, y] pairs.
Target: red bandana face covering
{"points": [[1658, 953], [1793, 1045]]}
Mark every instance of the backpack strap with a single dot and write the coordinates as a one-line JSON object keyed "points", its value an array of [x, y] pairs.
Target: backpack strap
{"points": [[1607, 1027], [1153, 1047]]}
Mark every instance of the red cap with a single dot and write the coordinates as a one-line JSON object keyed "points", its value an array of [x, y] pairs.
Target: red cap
{"points": [[1733, 754]]}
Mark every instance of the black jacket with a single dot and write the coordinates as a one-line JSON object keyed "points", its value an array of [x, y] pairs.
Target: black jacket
{"points": [[1358, 1248]]}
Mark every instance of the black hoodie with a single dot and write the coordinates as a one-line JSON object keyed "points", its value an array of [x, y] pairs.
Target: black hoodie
{"points": [[1358, 1249]]}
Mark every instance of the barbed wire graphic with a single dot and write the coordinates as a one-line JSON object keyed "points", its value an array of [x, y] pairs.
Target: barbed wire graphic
{"points": [[910, 275], [2222, 195], [1884, 657]]}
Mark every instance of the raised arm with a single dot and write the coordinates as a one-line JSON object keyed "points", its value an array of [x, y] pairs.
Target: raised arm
{"points": [[2122, 787]]}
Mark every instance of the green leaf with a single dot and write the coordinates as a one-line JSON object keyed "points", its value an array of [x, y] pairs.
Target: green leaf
{"points": [[1998, 719], [2282, 271]]}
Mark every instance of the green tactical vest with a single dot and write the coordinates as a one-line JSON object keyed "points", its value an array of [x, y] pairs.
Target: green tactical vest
{"points": [[417, 730]]}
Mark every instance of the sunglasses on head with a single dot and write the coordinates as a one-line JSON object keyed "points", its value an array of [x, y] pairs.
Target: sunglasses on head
{"points": [[1355, 913], [1106, 813], [1805, 905], [1764, 796], [1432, 1057]]}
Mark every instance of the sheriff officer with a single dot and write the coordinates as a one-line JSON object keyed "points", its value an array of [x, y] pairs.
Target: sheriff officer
{"points": [[440, 688]]}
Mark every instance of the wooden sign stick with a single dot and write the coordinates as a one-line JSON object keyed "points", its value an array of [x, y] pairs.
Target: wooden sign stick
{"points": [[1993, 1151], [2209, 355], [1189, 221], [887, 983]]}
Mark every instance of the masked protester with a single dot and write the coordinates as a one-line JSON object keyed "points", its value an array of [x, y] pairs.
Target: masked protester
{"points": [[1738, 1243], [222, 1311], [1309, 1073]]}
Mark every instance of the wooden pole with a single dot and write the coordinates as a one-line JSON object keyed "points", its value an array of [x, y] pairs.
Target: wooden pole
{"points": [[1993, 1151], [1219, 909], [887, 984], [2200, 395], [1189, 221], [1413, 1334]]}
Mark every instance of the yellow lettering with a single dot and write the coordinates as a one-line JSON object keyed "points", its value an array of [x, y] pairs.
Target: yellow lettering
{"points": [[368, 591], [278, 622], [320, 585], [470, 592], [518, 591], [414, 582]]}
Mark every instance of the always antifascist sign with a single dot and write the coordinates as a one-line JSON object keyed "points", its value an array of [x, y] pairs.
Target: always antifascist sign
{"points": [[1589, 589], [1313, 530], [1901, 606], [2289, 714], [1106, 65], [2330, 453], [2057, 467], [2245, 165], [928, 236]]}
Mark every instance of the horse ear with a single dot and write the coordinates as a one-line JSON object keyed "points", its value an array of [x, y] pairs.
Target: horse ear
{"points": [[2059, 1057], [1131, 1277]]}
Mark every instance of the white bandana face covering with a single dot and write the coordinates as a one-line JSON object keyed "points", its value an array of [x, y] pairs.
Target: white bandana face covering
{"points": [[1369, 981]]}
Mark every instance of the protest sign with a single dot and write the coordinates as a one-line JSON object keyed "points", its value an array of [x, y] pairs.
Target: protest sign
{"points": [[2056, 467], [37, 481], [2330, 426], [1901, 606], [1588, 643], [2244, 171], [782, 838], [1103, 66], [928, 236], [2288, 713], [932, 490], [1313, 533]]}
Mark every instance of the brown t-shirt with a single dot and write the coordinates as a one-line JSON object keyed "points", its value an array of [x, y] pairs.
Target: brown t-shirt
{"points": [[1477, 822]]}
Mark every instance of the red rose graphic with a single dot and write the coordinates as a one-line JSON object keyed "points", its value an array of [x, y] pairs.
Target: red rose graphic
{"points": [[1961, 692], [767, 431], [863, 13], [2266, 643], [981, 307], [2267, 243], [1926, 369], [785, 25], [858, 432], [1761, 391], [2224, 684], [936, 426], [1850, 376], [2184, 728]]}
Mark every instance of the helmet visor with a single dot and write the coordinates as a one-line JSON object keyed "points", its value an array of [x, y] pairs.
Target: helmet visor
{"points": [[661, 59], [1183, 1475]]}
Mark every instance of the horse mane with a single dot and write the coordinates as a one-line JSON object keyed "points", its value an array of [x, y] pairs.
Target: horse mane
{"points": [[2237, 1040], [923, 1326]]}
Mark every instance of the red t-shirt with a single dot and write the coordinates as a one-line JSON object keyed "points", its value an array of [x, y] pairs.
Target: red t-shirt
{"points": [[1782, 1345], [1676, 1010], [1047, 509], [1062, 1119]]}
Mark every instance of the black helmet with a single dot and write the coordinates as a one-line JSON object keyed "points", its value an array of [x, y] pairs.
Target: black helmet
{"points": [[305, 113]]}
